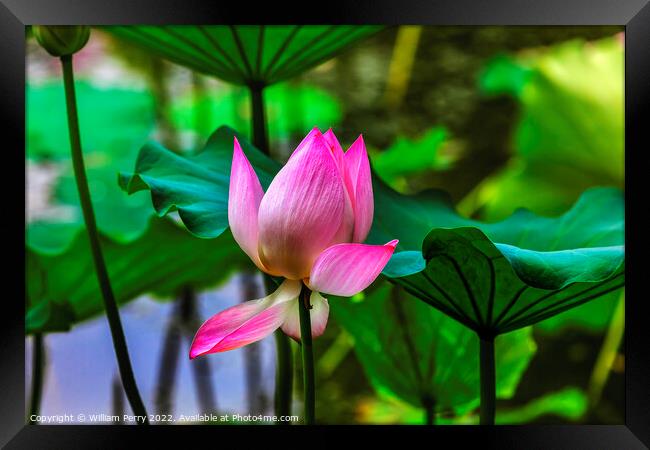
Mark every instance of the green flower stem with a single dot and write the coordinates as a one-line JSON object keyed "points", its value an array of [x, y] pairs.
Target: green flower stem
{"points": [[429, 406], [307, 355], [260, 129], [283, 376], [284, 361], [429, 416], [112, 313], [488, 380], [38, 359]]}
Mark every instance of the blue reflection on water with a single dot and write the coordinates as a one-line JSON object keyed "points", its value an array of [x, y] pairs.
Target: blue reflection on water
{"points": [[80, 365]]}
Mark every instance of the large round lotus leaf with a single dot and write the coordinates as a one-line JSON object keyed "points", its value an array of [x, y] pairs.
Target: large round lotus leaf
{"points": [[498, 277], [112, 120], [418, 354], [246, 54], [570, 133]]}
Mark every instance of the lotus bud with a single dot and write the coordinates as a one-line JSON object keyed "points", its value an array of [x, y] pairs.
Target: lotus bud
{"points": [[62, 40]]}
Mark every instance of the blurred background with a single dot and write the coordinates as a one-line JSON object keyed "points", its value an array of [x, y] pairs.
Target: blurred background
{"points": [[500, 117]]}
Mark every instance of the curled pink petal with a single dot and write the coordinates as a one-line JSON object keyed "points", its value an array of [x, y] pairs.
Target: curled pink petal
{"points": [[245, 323], [244, 197], [346, 269], [320, 310], [359, 183], [302, 212]]}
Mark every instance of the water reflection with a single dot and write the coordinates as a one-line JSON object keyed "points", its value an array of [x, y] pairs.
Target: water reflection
{"points": [[80, 365]]}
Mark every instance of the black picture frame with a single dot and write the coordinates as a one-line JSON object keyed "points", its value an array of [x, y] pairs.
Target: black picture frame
{"points": [[633, 14]]}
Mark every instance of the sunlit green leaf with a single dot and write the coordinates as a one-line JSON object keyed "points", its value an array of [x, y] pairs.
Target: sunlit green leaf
{"points": [[246, 54], [570, 137], [410, 156], [112, 118], [504, 75], [570, 133], [498, 277], [418, 354]]}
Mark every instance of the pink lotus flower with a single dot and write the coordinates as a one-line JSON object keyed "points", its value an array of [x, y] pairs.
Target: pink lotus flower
{"points": [[308, 228]]}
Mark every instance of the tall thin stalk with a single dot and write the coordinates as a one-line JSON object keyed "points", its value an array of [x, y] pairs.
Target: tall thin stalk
{"points": [[488, 380], [429, 406], [304, 306], [260, 129], [284, 366], [283, 375], [112, 313], [38, 362]]}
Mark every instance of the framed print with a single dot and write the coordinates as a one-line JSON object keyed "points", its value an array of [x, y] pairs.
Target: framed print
{"points": [[398, 217]]}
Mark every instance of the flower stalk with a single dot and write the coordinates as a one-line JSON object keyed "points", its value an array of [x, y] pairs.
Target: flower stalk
{"points": [[260, 130], [307, 351], [488, 380], [38, 361], [429, 405], [284, 365], [112, 313], [283, 375]]}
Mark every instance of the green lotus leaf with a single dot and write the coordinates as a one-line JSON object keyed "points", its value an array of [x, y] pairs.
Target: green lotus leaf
{"points": [[112, 118], [120, 217], [51, 238], [592, 317], [114, 123], [414, 352], [246, 54], [412, 156], [498, 277], [49, 316], [570, 135], [62, 286], [195, 185]]}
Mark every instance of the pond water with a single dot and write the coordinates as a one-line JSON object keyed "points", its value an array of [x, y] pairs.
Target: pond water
{"points": [[80, 366]]}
